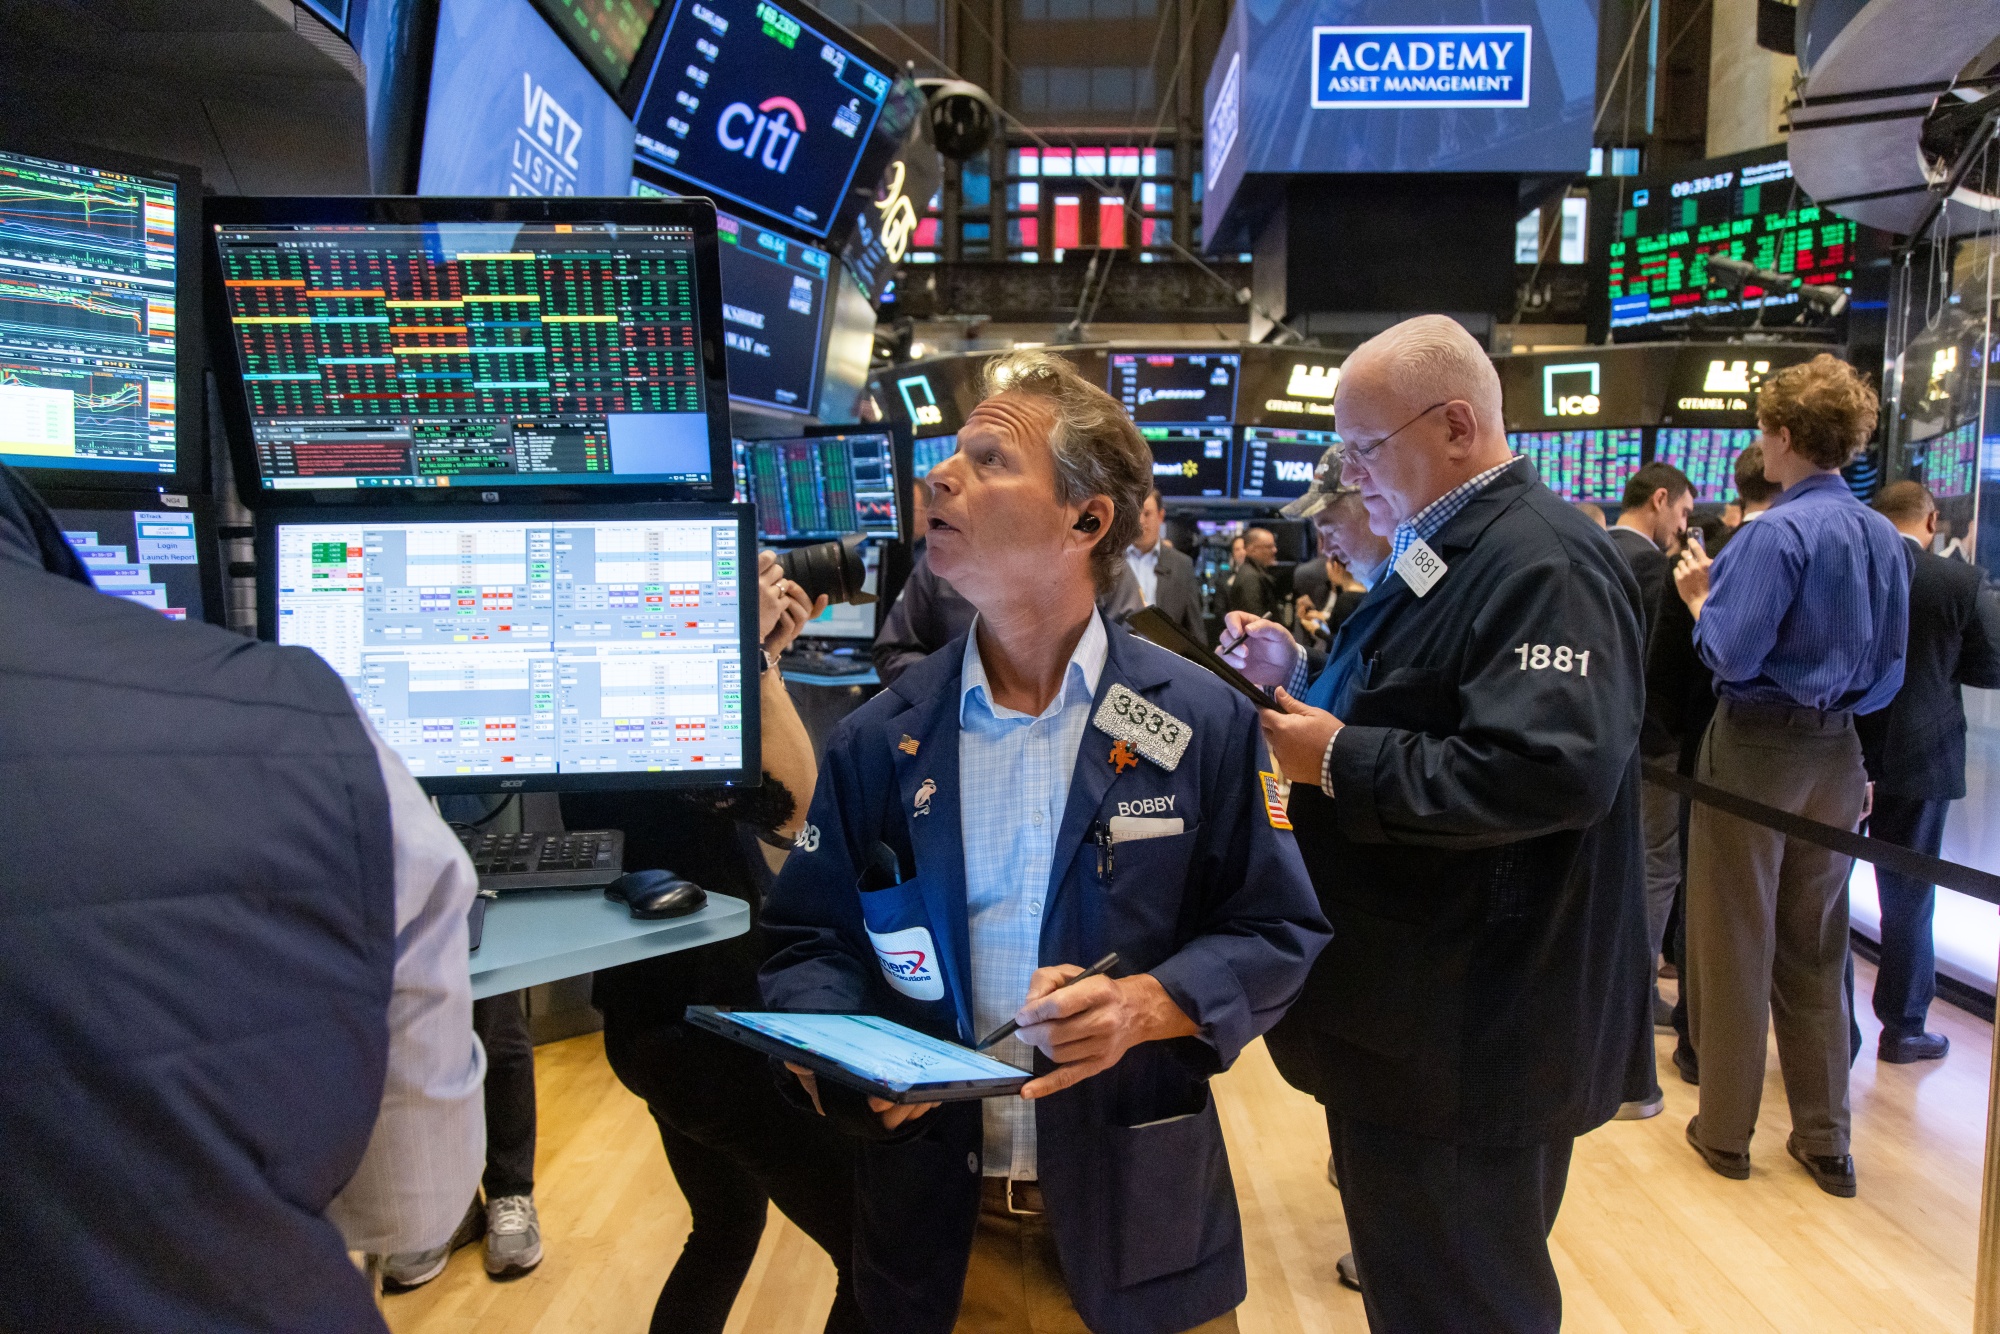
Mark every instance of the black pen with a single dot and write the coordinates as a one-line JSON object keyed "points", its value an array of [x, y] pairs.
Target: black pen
{"points": [[1098, 969]]}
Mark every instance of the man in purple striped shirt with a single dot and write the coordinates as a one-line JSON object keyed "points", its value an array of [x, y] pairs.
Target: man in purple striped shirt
{"points": [[1803, 620]]}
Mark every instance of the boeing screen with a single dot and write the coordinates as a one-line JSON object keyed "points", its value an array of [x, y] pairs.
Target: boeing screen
{"points": [[1175, 386], [487, 648], [150, 557], [821, 487], [454, 354], [89, 338], [737, 89]]}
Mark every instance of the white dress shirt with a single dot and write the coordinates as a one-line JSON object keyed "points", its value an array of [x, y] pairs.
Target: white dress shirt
{"points": [[429, 1145], [1013, 780], [1146, 569]]}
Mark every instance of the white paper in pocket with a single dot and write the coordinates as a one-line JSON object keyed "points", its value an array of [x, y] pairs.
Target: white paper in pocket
{"points": [[909, 961], [1132, 828]]}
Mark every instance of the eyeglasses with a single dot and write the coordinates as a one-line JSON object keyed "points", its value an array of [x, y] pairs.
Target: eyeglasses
{"points": [[1361, 454]]}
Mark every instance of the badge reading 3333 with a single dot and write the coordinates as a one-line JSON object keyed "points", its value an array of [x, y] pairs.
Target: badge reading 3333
{"points": [[1151, 730]]}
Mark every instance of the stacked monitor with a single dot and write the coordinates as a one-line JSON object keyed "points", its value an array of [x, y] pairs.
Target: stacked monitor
{"points": [[1183, 404], [155, 550], [97, 284], [487, 445], [821, 487], [1278, 461]]}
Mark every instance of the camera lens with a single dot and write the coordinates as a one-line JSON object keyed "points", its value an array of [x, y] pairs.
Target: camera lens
{"points": [[833, 568]]}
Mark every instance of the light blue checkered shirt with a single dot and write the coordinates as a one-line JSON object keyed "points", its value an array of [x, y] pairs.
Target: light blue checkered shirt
{"points": [[1013, 782]]}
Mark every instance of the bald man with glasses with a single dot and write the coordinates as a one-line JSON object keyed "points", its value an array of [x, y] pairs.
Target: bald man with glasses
{"points": [[1465, 789]]}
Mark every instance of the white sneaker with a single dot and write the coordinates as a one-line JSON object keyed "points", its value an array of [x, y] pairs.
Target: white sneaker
{"points": [[513, 1236]]}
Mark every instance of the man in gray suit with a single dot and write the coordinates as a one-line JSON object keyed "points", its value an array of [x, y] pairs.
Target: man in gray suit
{"points": [[1166, 576]]}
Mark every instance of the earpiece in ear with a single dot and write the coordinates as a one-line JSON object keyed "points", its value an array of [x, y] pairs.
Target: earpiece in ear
{"points": [[1087, 523]]}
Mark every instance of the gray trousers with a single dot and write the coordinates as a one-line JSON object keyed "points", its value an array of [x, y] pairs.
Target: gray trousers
{"points": [[1660, 821], [1767, 924]]}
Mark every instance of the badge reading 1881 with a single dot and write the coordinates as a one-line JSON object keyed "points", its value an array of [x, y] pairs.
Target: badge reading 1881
{"points": [[1153, 732]]}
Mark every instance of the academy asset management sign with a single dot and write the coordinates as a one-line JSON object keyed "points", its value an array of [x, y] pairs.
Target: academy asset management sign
{"points": [[1439, 67]]}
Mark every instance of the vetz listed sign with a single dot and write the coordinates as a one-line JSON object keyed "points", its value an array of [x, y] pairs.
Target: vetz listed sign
{"points": [[1482, 66]]}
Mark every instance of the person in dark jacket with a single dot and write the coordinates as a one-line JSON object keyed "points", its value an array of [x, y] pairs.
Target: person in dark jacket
{"points": [[735, 1145], [233, 994], [1465, 789], [1253, 589], [1165, 576], [1915, 753]]}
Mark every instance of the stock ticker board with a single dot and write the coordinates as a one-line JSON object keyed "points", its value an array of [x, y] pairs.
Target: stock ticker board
{"points": [[1582, 465], [501, 353], [1666, 230], [606, 33], [88, 333]]}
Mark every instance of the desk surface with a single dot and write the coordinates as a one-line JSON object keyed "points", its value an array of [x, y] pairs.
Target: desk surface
{"points": [[552, 934]]}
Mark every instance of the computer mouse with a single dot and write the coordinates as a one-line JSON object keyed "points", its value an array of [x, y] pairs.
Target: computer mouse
{"points": [[653, 895]]}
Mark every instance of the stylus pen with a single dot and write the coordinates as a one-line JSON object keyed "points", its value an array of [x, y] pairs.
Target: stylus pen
{"points": [[1098, 969]]}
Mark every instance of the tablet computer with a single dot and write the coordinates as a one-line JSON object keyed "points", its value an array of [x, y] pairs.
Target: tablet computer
{"points": [[1154, 624], [867, 1053]]}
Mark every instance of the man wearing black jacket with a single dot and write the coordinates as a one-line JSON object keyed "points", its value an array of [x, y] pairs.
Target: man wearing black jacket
{"points": [[1915, 752], [1165, 576], [1465, 789]]}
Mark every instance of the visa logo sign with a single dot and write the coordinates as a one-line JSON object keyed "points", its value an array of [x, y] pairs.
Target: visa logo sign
{"points": [[1479, 66]]}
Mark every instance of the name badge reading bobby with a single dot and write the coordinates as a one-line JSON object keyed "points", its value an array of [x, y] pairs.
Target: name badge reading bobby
{"points": [[1420, 567], [1151, 730]]}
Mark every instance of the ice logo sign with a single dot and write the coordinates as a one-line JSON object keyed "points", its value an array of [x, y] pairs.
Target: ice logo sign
{"points": [[769, 135], [1571, 390], [545, 149]]}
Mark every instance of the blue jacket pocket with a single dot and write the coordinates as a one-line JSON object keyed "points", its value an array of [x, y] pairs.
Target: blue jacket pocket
{"points": [[1174, 1175], [899, 929]]}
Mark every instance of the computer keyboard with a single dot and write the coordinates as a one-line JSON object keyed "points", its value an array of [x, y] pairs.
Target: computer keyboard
{"points": [[516, 863]]}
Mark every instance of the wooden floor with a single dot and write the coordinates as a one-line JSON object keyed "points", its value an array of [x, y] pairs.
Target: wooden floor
{"points": [[1648, 1239]]}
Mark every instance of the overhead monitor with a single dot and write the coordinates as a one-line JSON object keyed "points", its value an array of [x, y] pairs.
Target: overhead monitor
{"points": [[1660, 229], [774, 294], [820, 487], [97, 277], [399, 344], [1175, 386], [1947, 463], [607, 34], [1190, 460], [531, 647], [1277, 462], [760, 105], [1288, 386], [156, 550], [926, 452], [1582, 465], [1707, 455]]}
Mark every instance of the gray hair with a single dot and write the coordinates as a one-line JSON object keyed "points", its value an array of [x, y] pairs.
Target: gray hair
{"points": [[1098, 451], [1432, 359]]}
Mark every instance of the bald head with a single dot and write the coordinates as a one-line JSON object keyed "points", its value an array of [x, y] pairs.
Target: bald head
{"points": [[1419, 412]]}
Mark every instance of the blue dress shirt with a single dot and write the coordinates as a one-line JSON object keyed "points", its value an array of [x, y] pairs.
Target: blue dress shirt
{"points": [[1810, 605], [1014, 773]]}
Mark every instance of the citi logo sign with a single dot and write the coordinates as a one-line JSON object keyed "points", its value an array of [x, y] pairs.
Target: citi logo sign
{"points": [[770, 134], [1571, 390]]}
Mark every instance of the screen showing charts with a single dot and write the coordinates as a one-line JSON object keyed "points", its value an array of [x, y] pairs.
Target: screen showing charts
{"points": [[1176, 386], [1947, 464], [1278, 463], [468, 354], [931, 450], [821, 487], [737, 88], [88, 338], [773, 301], [547, 647], [606, 33], [1748, 210], [1189, 460], [1582, 465], [1707, 456], [149, 556]]}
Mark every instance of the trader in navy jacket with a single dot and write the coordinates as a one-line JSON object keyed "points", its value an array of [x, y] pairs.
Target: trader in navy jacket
{"points": [[1051, 789]]}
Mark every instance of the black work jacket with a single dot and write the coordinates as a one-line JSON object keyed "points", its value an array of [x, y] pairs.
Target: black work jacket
{"points": [[1480, 862]]}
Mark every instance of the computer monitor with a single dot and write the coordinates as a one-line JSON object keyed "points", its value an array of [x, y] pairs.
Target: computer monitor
{"points": [[926, 452], [765, 105], [1582, 465], [156, 549], [1190, 460], [819, 487], [1277, 462], [1706, 455], [1175, 386], [98, 320], [531, 647], [774, 300], [547, 347]]}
